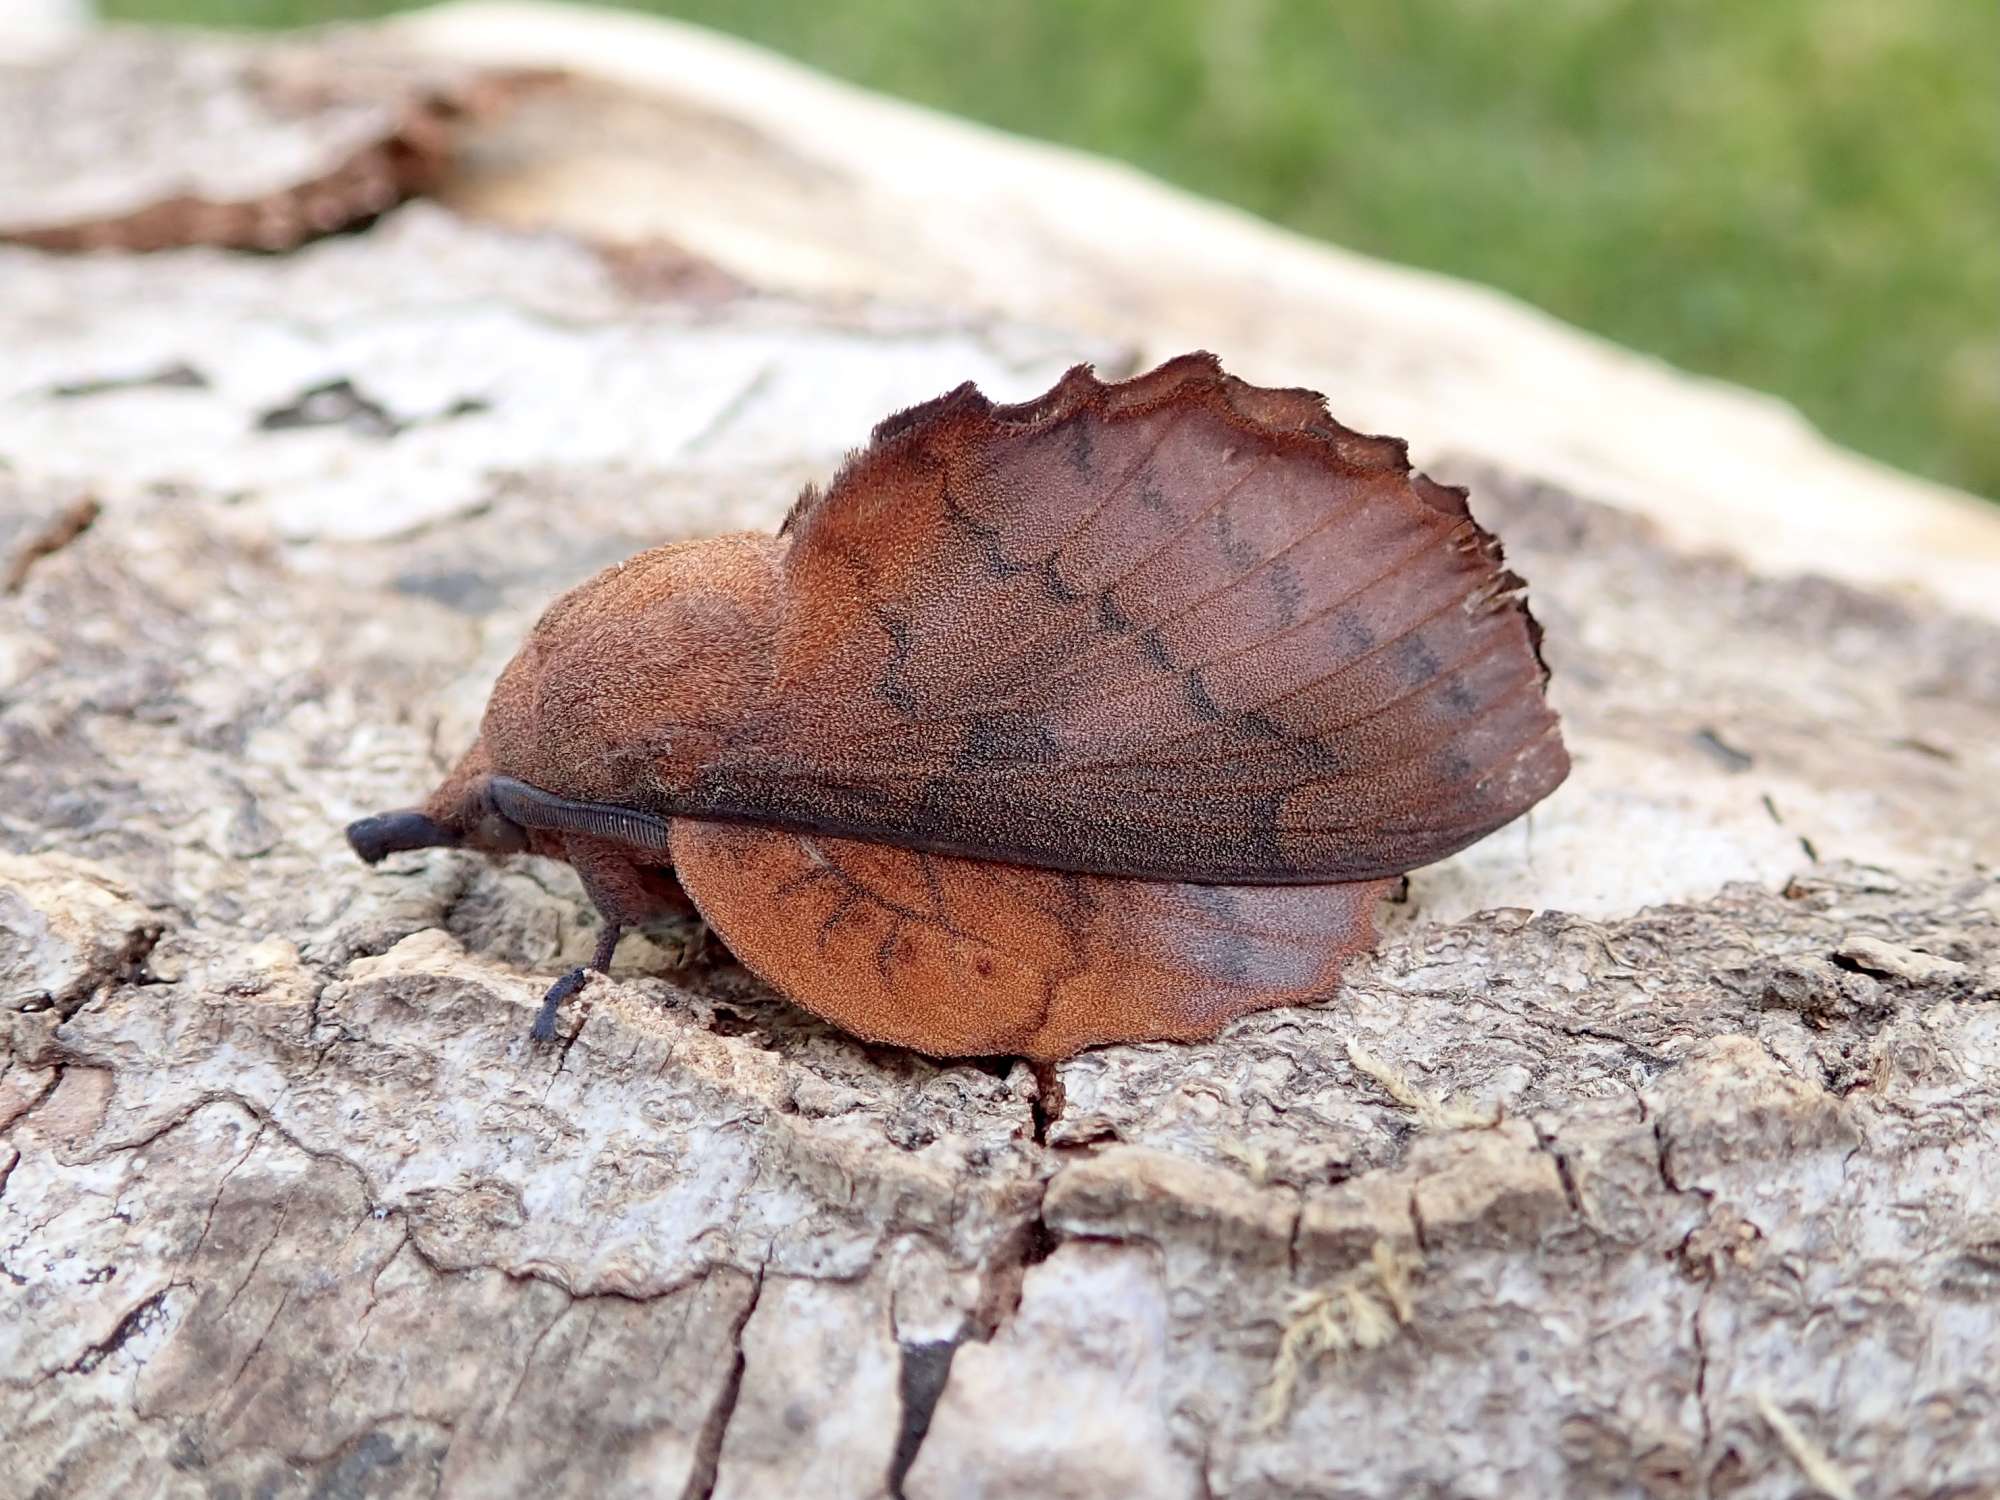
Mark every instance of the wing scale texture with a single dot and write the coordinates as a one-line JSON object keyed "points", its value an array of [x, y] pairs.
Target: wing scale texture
{"points": [[1179, 627]]}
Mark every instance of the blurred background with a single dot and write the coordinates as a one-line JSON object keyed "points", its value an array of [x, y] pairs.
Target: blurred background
{"points": [[1800, 195]]}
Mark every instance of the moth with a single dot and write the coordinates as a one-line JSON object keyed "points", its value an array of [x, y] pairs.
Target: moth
{"points": [[1105, 717]]}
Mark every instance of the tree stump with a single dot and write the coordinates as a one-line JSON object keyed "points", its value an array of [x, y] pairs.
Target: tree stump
{"points": [[1656, 1152]]}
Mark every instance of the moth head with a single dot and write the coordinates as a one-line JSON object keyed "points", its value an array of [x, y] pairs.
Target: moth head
{"points": [[459, 815]]}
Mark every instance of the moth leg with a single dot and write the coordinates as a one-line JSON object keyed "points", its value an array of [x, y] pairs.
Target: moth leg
{"points": [[1050, 1096], [600, 963], [627, 887]]}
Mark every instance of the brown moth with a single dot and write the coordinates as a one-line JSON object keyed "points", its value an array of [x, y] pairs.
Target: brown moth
{"points": [[1105, 717]]}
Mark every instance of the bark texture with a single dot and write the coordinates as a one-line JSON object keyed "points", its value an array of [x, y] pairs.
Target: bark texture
{"points": [[1655, 1153], [133, 141]]}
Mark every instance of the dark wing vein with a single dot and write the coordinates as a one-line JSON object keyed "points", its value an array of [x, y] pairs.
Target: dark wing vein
{"points": [[1339, 514], [905, 729], [1121, 578], [1265, 705]]}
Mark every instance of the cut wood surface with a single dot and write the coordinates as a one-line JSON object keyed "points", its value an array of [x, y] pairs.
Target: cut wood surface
{"points": [[135, 141], [1656, 1151]]}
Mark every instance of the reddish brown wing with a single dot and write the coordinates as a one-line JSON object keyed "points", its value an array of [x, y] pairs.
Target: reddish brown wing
{"points": [[965, 958], [1179, 627]]}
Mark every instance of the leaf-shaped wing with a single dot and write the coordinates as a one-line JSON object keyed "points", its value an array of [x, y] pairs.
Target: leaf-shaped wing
{"points": [[967, 958], [1179, 627]]}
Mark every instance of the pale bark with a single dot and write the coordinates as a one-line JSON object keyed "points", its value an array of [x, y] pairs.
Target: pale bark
{"points": [[1657, 1152], [137, 141]]}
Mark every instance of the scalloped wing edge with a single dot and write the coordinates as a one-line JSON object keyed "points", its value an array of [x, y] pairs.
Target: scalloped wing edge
{"points": [[1290, 416]]}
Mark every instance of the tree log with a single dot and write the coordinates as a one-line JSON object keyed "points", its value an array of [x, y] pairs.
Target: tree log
{"points": [[1656, 1152]]}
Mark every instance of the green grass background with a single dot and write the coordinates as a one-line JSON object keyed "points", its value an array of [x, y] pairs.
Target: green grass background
{"points": [[1802, 195]]}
